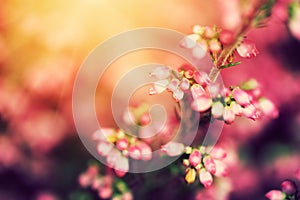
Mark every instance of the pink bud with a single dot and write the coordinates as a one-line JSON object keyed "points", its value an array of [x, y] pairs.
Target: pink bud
{"points": [[145, 119], [228, 115], [247, 49], [197, 91], [161, 72], [236, 108], [226, 37], [289, 187], [195, 158], [158, 87], [209, 32], [218, 153], [135, 152], [241, 97], [146, 151], [214, 90], [84, 180], [121, 166], [202, 103], [275, 195], [189, 41], [198, 52], [173, 85], [221, 169], [178, 94], [173, 148], [105, 192], [202, 78], [122, 144], [205, 178], [217, 109], [104, 148], [215, 46], [127, 196], [268, 108], [249, 111], [113, 157], [209, 164], [185, 84]]}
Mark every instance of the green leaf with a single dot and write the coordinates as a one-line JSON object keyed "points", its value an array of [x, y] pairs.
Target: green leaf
{"points": [[230, 65]]}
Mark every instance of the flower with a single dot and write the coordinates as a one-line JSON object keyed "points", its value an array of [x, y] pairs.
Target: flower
{"points": [[205, 178], [289, 187], [247, 49], [209, 164], [195, 158], [173, 148], [241, 97], [190, 175], [275, 195]]}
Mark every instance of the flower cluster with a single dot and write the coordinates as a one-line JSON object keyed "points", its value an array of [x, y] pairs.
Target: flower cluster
{"points": [[213, 41], [204, 161], [223, 103], [288, 191], [105, 185], [117, 147]]}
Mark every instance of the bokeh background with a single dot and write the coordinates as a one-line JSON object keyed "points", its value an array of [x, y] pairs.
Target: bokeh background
{"points": [[42, 45]]}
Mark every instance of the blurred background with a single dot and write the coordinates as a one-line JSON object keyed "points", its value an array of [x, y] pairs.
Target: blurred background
{"points": [[43, 44]]}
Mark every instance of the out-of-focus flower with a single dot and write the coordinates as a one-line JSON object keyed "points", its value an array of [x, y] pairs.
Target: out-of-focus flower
{"points": [[268, 108], [275, 195], [289, 187], [209, 164], [173, 148], [294, 19], [205, 178], [46, 196], [241, 97], [247, 49]]}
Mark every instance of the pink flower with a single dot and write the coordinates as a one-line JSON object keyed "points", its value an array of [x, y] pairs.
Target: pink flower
{"points": [[241, 97], [198, 51], [205, 178], [288, 187], [202, 78], [202, 103], [217, 109], [145, 119], [195, 158], [236, 108], [113, 157], [86, 178], [209, 164], [226, 37], [121, 166], [122, 144], [135, 152], [104, 148], [215, 46], [158, 87], [173, 148], [161, 72], [218, 153], [221, 169], [247, 49], [275, 195], [228, 115], [146, 151], [105, 192], [189, 41], [268, 108], [185, 84], [197, 91]]}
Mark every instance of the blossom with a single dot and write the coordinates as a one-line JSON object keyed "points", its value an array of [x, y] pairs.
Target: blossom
{"points": [[209, 164], [275, 195], [173, 148], [241, 97], [268, 108], [289, 187], [190, 175], [205, 178], [247, 49], [217, 109], [195, 158]]}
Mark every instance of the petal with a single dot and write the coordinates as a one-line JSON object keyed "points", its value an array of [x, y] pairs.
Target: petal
{"points": [[247, 49]]}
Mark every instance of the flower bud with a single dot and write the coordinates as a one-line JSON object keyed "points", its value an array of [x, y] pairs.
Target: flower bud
{"points": [[205, 178], [247, 49], [275, 195], [173, 148], [241, 97], [209, 164], [190, 175], [195, 157], [289, 187]]}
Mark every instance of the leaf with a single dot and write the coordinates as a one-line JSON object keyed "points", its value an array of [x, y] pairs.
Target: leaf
{"points": [[230, 65]]}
